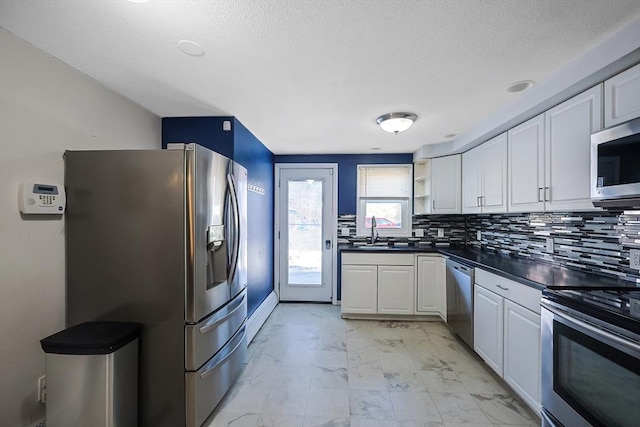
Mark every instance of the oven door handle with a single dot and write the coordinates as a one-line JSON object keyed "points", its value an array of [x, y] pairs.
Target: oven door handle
{"points": [[626, 343]]}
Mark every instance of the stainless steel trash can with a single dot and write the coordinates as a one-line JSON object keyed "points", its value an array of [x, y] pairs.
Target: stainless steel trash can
{"points": [[92, 375]]}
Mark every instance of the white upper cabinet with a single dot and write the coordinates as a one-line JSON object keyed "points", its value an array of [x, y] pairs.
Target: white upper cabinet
{"points": [[622, 97], [549, 156], [526, 166], [568, 129], [446, 184], [437, 185], [471, 178], [484, 177]]}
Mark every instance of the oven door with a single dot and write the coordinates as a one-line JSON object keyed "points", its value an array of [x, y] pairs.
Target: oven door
{"points": [[590, 375]]}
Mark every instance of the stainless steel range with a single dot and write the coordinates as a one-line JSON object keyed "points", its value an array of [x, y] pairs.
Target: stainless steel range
{"points": [[591, 357], [158, 237]]}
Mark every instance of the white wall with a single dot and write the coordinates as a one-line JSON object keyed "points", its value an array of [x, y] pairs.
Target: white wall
{"points": [[46, 107]]}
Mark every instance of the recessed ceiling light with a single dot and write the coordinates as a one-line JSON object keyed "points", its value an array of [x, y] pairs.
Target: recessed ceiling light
{"points": [[451, 135], [190, 48], [375, 148], [520, 86]]}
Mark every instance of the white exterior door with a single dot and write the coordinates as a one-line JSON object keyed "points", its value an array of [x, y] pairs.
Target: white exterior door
{"points": [[305, 233]]}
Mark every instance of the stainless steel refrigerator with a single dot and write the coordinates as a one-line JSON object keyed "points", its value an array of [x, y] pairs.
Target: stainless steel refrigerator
{"points": [[159, 237]]}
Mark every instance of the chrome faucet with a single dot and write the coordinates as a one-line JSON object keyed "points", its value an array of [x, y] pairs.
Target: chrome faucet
{"points": [[374, 233]]}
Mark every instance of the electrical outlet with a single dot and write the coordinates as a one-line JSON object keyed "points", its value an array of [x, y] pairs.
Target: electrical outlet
{"points": [[418, 232], [634, 307], [479, 235], [344, 232], [634, 258], [440, 232], [42, 389], [549, 245]]}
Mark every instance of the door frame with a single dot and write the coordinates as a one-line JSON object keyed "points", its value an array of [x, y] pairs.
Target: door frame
{"points": [[333, 223]]}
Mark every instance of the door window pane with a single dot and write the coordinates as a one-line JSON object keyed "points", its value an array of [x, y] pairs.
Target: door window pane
{"points": [[305, 232]]}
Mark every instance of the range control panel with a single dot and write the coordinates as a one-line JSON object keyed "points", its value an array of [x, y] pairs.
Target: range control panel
{"points": [[34, 198]]}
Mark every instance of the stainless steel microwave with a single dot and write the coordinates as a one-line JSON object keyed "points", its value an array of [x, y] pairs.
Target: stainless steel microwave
{"points": [[615, 166]]}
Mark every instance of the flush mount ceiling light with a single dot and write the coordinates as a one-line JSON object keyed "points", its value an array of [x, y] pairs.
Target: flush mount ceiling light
{"points": [[396, 122], [520, 86]]}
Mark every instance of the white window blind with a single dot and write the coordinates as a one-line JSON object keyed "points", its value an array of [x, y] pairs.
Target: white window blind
{"points": [[385, 181], [384, 191]]}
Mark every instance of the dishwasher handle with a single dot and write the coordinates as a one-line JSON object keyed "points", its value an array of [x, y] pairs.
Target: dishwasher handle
{"points": [[461, 268]]}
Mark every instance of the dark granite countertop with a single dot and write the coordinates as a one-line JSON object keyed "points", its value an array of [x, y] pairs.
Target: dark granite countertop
{"points": [[537, 274]]}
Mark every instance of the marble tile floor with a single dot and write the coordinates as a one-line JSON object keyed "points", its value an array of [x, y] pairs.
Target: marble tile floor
{"points": [[308, 367]]}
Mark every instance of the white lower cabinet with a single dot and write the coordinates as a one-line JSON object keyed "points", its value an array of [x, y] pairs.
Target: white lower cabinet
{"points": [[378, 283], [487, 327], [360, 289], [522, 362], [395, 289], [431, 292], [506, 332]]}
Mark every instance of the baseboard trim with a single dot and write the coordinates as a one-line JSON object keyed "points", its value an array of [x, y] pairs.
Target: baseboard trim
{"points": [[257, 319]]}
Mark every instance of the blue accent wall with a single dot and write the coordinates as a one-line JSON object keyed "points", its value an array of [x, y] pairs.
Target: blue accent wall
{"points": [[347, 171], [205, 131], [253, 155], [243, 147]]}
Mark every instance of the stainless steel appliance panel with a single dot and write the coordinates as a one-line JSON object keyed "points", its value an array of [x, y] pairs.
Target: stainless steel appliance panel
{"points": [[125, 252], [460, 280], [590, 372], [151, 236], [211, 382], [615, 168], [207, 337], [207, 285]]}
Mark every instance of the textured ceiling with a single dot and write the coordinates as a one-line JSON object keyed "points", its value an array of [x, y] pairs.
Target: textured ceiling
{"points": [[312, 76]]}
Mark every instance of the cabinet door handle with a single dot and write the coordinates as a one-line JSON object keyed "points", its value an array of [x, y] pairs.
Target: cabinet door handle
{"points": [[433, 204], [478, 201], [481, 200], [502, 287], [547, 194], [540, 194]]}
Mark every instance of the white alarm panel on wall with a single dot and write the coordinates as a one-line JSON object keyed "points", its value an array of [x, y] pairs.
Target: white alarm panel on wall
{"points": [[35, 198]]}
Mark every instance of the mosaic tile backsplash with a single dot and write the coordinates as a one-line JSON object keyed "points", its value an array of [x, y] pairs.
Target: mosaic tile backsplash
{"points": [[596, 242], [453, 230]]}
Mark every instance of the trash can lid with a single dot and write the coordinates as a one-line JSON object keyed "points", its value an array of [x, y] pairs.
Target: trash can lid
{"points": [[92, 338]]}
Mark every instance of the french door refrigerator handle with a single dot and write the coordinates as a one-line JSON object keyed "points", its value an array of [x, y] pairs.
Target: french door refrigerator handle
{"points": [[236, 228], [215, 321], [210, 369]]}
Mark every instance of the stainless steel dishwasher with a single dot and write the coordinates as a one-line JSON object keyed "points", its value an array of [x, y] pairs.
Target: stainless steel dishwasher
{"points": [[460, 278]]}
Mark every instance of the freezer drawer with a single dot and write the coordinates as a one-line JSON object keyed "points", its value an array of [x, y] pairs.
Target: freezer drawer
{"points": [[206, 387], [206, 338]]}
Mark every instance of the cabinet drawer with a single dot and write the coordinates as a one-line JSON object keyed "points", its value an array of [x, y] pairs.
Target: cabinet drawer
{"points": [[377, 259], [523, 295]]}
